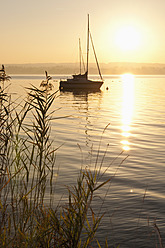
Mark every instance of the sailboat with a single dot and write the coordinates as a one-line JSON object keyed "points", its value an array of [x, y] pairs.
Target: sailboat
{"points": [[80, 81]]}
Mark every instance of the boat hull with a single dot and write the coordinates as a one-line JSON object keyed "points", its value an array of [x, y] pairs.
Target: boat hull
{"points": [[71, 84]]}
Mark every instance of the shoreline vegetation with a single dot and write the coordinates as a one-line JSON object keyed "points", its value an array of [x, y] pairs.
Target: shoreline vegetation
{"points": [[70, 68], [28, 175]]}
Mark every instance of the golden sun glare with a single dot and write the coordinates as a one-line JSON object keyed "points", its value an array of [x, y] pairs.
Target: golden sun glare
{"points": [[128, 38], [127, 109]]}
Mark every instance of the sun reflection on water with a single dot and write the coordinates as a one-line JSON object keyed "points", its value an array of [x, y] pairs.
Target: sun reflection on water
{"points": [[127, 108]]}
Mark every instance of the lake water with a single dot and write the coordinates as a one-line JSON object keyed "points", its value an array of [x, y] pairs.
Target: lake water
{"points": [[128, 118]]}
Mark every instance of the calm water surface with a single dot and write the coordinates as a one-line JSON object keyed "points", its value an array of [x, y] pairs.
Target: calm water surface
{"points": [[130, 118]]}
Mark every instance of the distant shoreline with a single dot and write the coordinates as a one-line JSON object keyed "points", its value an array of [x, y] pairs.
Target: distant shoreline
{"points": [[71, 68]]}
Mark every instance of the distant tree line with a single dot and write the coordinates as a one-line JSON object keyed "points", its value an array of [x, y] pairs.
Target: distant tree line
{"points": [[70, 68]]}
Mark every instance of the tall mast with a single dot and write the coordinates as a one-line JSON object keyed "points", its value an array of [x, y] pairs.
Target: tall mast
{"points": [[87, 45], [80, 54]]}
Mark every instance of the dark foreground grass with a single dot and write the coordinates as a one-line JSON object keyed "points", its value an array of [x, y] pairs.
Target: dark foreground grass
{"points": [[27, 165], [27, 162]]}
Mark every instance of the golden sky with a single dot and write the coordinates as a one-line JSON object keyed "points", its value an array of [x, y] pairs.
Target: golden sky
{"points": [[47, 31]]}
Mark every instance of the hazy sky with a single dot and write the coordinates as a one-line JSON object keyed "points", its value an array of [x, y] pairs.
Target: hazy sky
{"points": [[43, 31]]}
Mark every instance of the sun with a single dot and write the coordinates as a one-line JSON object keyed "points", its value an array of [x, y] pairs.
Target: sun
{"points": [[128, 38]]}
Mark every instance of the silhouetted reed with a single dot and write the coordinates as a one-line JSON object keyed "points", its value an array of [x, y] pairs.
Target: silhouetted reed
{"points": [[27, 167]]}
